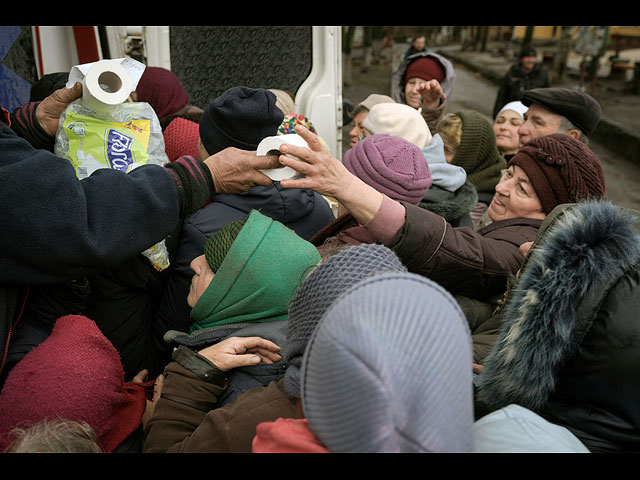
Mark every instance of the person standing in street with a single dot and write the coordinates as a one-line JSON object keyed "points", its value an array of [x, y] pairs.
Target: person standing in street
{"points": [[525, 74]]}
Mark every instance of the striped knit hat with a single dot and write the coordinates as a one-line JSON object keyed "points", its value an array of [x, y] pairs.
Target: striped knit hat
{"points": [[388, 370], [561, 170]]}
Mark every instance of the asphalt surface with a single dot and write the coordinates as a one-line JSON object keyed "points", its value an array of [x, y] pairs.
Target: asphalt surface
{"points": [[476, 89]]}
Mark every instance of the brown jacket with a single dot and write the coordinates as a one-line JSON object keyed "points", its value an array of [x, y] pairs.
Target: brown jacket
{"points": [[465, 262], [186, 418]]}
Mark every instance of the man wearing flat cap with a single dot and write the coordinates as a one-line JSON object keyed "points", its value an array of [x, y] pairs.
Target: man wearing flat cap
{"points": [[559, 110]]}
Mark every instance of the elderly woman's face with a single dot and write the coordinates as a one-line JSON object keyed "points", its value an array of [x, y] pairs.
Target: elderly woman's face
{"points": [[357, 132], [203, 275], [515, 197]]}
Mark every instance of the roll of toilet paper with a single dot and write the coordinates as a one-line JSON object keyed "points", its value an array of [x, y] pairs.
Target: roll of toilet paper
{"points": [[271, 146], [106, 85]]}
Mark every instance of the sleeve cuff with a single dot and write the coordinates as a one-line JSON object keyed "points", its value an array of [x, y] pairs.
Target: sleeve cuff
{"points": [[388, 221], [199, 365]]}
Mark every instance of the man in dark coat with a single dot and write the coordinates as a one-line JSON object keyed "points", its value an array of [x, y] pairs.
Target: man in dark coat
{"points": [[58, 228], [523, 75]]}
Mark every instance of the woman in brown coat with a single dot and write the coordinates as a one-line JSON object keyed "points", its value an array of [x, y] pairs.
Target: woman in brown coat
{"points": [[546, 172]]}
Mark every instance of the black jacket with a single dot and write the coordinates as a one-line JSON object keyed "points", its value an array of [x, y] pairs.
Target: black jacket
{"points": [[515, 82], [57, 228], [568, 347]]}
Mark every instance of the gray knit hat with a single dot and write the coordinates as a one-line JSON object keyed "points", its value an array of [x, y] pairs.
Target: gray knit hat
{"points": [[388, 369], [326, 283]]}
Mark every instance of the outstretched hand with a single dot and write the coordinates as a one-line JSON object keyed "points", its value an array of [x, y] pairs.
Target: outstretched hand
{"points": [[236, 171], [49, 110], [328, 176], [237, 352], [323, 172], [432, 94]]}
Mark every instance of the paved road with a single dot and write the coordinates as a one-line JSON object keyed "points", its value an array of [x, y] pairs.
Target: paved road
{"points": [[472, 91]]}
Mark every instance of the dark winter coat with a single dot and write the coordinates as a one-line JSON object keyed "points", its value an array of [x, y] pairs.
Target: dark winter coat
{"points": [[242, 379], [57, 228], [569, 347], [515, 82], [465, 262]]}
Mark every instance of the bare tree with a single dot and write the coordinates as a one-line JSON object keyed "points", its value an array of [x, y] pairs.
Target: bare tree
{"points": [[565, 43], [347, 39]]}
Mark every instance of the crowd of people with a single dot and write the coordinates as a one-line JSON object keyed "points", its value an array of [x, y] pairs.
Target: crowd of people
{"points": [[476, 291]]}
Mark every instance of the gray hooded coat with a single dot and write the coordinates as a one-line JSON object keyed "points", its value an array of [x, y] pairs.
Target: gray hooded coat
{"points": [[398, 82]]}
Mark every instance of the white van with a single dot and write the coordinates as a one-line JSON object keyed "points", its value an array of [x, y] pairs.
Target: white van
{"points": [[304, 60]]}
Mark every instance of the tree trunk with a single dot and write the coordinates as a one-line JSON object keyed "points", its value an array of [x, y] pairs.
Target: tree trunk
{"points": [[528, 35], [595, 59], [368, 49], [347, 38], [484, 34], [562, 53], [378, 35]]}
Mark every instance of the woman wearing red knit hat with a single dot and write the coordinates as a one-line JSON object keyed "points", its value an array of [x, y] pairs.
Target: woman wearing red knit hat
{"points": [[425, 81]]}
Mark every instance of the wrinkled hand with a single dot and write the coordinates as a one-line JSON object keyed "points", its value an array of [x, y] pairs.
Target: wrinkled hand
{"points": [[328, 176], [323, 172], [49, 110], [157, 390], [432, 94], [237, 352], [236, 171], [524, 248], [477, 368]]}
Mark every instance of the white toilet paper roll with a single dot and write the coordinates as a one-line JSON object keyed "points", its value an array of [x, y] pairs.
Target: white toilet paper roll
{"points": [[106, 85]]}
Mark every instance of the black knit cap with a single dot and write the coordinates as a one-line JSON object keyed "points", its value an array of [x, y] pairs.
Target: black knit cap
{"points": [[528, 51], [241, 117], [579, 108]]}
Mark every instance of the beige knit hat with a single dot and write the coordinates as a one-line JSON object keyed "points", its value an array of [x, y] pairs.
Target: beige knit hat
{"points": [[399, 120]]}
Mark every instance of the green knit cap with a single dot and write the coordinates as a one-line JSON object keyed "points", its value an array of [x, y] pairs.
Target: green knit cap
{"points": [[478, 153], [218, 245], [259, 264]]}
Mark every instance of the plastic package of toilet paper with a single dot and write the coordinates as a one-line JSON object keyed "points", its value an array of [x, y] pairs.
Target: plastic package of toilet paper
{"points": [[103, 130]]}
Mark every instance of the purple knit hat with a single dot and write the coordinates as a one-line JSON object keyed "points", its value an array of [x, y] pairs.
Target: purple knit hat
{"points": [[391, 165]]}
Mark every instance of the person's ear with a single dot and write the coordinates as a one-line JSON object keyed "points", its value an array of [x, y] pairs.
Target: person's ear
{"points": [[575, 134]]}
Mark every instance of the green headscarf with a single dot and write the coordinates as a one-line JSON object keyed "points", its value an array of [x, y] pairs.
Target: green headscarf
{"points": [[478, 153], [261, 271]]}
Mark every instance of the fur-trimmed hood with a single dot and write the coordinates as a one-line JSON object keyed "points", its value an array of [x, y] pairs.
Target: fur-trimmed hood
{"points": [[581, 252]]}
